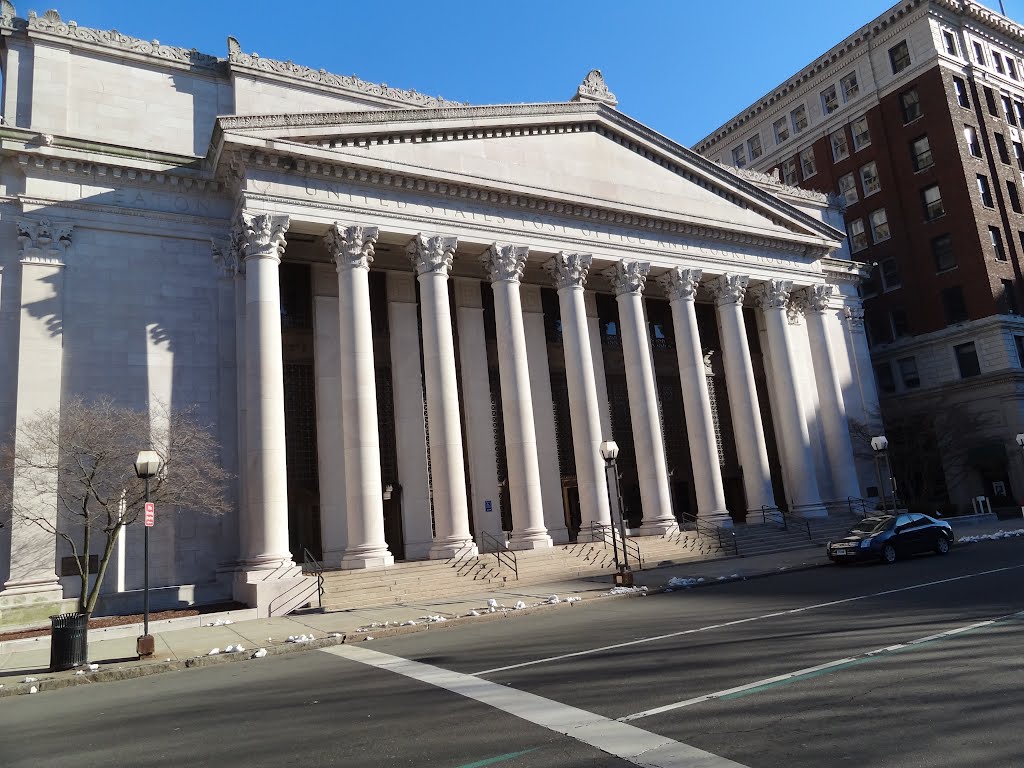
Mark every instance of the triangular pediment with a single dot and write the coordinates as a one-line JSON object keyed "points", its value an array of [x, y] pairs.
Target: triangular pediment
{"points": [[583, 154]]}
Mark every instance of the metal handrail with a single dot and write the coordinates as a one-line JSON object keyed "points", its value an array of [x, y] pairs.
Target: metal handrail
{"points": [[311, 565], [504, 556], [853, 503], [609, 535], [775, 514], [717, 532]]}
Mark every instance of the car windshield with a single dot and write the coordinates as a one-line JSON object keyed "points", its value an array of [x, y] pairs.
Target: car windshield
{"points": [[872, 525]]}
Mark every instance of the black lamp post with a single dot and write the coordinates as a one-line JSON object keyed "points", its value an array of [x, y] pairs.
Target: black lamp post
{"points": [[880, 445], [623, 576], [147, 465]]}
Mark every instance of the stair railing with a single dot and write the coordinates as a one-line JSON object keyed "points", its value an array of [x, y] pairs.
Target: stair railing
{"points": [[311, 565], [610, 535], [726, 537], [858, 507], [494, 546], [783, 518]]}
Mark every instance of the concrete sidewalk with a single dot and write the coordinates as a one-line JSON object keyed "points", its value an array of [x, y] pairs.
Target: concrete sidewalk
{"points": [[185, 643]]}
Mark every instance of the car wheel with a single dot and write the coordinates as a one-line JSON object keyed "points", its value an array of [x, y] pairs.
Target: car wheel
{"points": [[888, 554], [942, 545]]}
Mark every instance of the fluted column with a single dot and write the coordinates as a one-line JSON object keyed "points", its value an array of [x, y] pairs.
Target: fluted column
{"points": [[681, 287], [834, 420], [628, 278], [432, 257], [797, 458], [32, 577], [505, 265], [351, 248], [569, 272], [266, 529], [729, 291]]}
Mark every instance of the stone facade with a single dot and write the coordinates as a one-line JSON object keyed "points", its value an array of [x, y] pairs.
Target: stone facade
{"points": [[418, 319]]}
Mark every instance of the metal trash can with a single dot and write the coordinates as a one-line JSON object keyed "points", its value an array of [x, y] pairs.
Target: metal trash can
{"points": [[68, 641]]}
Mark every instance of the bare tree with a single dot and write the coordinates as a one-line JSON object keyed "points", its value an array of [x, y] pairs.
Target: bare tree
{"points": [[72, 474]]}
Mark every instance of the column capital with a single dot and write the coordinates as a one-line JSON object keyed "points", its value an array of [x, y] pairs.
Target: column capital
{"points": [[226, 257], [816, 298], [773, 294], [505, 262], [854, 316], [681, 283], [351, 245], [728, 288], [43, 241], [569, 270], [262, 235], [432, 254], [628, 276]]}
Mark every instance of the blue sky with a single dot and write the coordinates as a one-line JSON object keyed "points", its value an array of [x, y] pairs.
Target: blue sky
{"points": [[682, 67]]}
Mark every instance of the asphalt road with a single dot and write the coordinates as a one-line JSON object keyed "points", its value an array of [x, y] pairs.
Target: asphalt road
{"points": [[915, 664]]}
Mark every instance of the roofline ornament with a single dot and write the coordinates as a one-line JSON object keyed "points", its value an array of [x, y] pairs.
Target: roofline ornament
{"points": [[594, 88]]}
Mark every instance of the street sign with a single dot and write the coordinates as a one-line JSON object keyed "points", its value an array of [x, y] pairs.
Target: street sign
{"points": [[487, 505], [150, 514]]}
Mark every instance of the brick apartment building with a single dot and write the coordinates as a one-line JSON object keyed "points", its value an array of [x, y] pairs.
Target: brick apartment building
{"points": [[917, 121]]}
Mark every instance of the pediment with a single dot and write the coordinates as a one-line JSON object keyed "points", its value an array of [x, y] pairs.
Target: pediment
{"points": [[585, 154]]}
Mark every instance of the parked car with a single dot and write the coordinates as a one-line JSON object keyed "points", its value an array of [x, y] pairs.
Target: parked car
{"points": [[887, 537]]}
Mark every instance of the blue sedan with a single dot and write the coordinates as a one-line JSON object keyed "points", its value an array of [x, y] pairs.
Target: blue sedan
{"points": [[888, 537]]}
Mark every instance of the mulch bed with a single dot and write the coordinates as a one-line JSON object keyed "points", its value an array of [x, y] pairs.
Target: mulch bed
{"points": [[117, 621]]}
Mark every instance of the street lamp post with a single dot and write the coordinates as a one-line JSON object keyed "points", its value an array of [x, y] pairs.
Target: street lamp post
{"points": [[147, 465], [623, 576], [880, 445]]}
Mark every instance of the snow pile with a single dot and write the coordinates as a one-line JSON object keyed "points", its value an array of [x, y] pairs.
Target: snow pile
{"points": [[234, 648], [552, 600], [678, 581], [335, 635], [93, 667], [492, 603], [473, 613], [259, 654], [573, 599], [220, 623], [628, 591], [33, 689], [992, 536], [213, 652], [433, 619], [520, 605], [300, 638], [30, 680], [368, 637], [80, 672]]}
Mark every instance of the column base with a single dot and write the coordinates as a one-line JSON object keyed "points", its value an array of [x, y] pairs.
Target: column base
{"points": [[275, 592], [809, 510], [267, 563], [419, 550], [655, 528], [47, 588], [445, 550], [27, 609], [529, 540], [719, 518], [559, 535], [353, 561]]}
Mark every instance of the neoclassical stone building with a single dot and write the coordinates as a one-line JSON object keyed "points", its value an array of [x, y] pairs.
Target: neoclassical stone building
{"points": [[418, 319]]}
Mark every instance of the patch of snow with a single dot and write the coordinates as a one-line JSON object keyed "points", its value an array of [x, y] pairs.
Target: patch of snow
{"points": [[433, 619], [33, 689], [93, 667], [628, 591], [234, 648], [519, 605], [1011, 534], [30, 680], [679, 581], [473, 613], [335, 634], [220, 623], [368, 637], [80, 672], [259, 654], [553, 600], [299, 638], [573, 599], [492, 603], [213, 652]]}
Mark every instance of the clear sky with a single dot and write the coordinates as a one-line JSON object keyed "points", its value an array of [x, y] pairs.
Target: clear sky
{"points": [[682, 67]]}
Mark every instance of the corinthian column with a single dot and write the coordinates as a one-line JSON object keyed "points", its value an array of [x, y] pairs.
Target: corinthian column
{"points": [[32, 577], [797, 459], [838, 446], [265, 529], [351, 248], [681, 287], [729, 291], [505, 265], [432, 257], [569, 272], [628, 278]]}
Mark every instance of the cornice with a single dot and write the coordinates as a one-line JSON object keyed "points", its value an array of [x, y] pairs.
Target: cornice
{"points": [[322, 78], [146, 214], [181, 182]]}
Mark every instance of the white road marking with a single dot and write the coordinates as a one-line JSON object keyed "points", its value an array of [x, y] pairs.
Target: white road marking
{"points": [[737, 622], [790, 676], [627, 742]]}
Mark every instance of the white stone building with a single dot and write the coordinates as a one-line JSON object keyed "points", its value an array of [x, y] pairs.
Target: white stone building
{"points": [[419, 319]]}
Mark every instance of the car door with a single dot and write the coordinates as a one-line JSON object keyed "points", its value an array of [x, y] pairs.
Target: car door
{"points": [[917, 534], [903, 535]]}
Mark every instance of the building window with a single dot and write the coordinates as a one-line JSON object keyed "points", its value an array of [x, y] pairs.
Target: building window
{"points": [[807, 166], [979, 53], [739, 157], [900, 324], [789, 172], [931, 199], [1011, 68], [949, 42], [890, 274], [990, 101], [984, 191], [1018, 110], [858, 235], [840, 147], [971, 137], [899, 56], [1018, 154], [921, 154], [829, 100], [1004, 155], [848, 188], [953, 304], [1007, 300], [908, 372], [996, 238], [886, 382], [869, 179], [850, 86], [799, 118], [1008, 114], [1020, 236], [861, 134], [960, 87], [754, 146], [942, 252], [781, 128], [879, 226], [967, 360], [1011, 192], [997, 63], [1019, 343], [910, 105]]}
